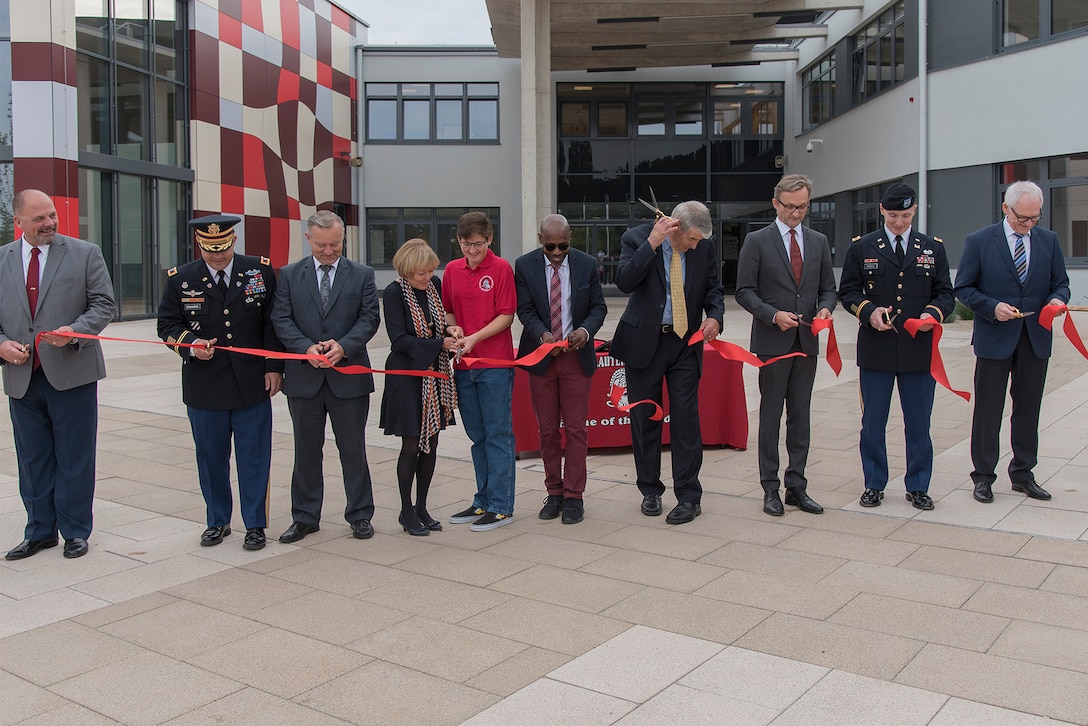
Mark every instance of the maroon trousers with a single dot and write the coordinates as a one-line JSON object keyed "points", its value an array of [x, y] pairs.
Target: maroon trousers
{"points": [[562, 394]]}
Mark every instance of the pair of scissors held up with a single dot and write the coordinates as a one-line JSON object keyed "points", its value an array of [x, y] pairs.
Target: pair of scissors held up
{"points": [[658, 214]]}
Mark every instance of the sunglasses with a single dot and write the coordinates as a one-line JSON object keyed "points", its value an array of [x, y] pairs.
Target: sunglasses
{"points": [[562, 245]]}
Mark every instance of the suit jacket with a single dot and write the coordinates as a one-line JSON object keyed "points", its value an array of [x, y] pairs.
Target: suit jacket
{"points": [[193, 307], [351, 319], [587, 304], [872, 275], [641, 273], [765, 285], [75, 289], [987, 276]]}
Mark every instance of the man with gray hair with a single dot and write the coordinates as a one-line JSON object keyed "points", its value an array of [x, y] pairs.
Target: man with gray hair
{"points": [[671, 272], [1008, 272], [327, 305]]}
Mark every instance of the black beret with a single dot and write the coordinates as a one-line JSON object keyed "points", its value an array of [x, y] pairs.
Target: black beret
{"points": [[899, 196]]}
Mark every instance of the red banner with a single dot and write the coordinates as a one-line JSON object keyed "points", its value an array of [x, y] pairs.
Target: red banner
{"points": [[936, 363]]}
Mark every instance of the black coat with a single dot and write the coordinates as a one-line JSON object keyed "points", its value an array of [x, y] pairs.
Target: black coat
{"points": [[193, 307]]}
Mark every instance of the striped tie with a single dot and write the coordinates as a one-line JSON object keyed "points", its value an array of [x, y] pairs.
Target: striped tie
{"points": [[555, 297], [1020, 258]]}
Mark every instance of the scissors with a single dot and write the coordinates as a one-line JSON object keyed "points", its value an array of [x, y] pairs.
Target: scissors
{"points": [[658, 214], [889, 319], [1023, 315]]}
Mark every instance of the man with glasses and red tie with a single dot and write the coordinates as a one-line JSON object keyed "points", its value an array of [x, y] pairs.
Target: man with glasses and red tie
{"points": [[889, 276], [785, 280], [560, 298], [1008, 272]]}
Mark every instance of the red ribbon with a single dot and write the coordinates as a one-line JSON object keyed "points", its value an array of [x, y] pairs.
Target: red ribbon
{"points": [[260, 353], [1046, 319], [734, 352], [527, 360], [936, 364], [834, 359]]}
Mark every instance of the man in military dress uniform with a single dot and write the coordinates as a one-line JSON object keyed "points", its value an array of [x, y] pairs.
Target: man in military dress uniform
{"points": [[226, 299], [888, 277]]}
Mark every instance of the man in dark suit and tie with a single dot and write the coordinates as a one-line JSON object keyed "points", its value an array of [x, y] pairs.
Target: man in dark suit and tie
{"points": [[226, 299], [671, 272], [1008, 272], [785, 280], [53, 285], [560, 298], [888, 276], [327, 305]]}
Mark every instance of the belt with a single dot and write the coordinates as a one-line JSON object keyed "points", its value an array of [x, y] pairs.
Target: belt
{"points": [[666, 328]]}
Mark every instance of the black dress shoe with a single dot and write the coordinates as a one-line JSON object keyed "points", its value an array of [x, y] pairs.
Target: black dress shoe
{"points": [[428, 521], [983, 492], [1031, 488], [361, 529], [411, 525], [214, 535], [297, 531], [772, 504], [553, 504], [798, 497], [684, 512], [573, 511], [920, 500], [255, 539], [75, 547], [651, 505], [29, 547], [871, 498]]}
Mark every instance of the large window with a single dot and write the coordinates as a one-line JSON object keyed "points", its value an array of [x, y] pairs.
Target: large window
{"points": [[1064, 181], [878, 53], [432, 113], [1023, 21], [387, 228], [866, 209], [818, 92]]}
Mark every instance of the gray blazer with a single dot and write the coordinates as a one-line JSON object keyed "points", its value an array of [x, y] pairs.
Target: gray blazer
{"points": [[351, 320], [75, 290], [765, 285]]}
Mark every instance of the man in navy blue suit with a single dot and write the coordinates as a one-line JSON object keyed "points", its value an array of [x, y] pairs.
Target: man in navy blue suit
{"points": [[560, 298], [1008, 272]]}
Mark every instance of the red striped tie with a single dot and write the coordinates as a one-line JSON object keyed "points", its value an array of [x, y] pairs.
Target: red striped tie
{"points": [[32, 279], [556, 299]]}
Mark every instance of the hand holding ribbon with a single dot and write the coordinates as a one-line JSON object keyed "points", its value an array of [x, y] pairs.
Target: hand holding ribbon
{"points": [[1046, 319]]}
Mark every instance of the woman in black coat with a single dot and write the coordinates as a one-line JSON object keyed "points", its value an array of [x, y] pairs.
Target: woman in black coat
{"points": [[414, 408]]}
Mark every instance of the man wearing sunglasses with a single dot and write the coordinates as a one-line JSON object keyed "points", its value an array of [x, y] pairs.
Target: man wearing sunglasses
{"points": [[560, 298], [1008, 272]]}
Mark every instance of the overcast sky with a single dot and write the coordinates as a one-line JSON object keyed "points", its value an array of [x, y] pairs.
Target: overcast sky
{"points": [[423, 22]]}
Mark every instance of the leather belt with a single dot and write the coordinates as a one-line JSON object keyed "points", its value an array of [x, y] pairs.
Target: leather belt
{"points": [[666, 328]]}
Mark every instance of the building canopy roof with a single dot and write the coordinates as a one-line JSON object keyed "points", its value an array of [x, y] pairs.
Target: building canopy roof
{"points": [[628, 34]]}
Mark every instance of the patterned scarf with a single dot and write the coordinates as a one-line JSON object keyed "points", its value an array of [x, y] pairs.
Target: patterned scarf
{"points": [[439, 395]]}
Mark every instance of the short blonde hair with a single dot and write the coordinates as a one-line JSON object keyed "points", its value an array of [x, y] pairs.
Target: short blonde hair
{"points": [[414, 256]]}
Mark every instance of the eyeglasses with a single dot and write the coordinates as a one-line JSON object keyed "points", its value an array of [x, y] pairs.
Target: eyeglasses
{"points": [[791, 208], [564, 246], [1025, 220], [474, 245]]}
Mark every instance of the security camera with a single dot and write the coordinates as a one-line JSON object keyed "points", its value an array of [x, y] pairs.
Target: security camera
{"points": [[811, 145], [808, 147]]}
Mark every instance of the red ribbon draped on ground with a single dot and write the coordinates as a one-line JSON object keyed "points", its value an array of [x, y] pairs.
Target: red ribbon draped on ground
{"points": [[936, 364], [259, 352], [1046, 319]]}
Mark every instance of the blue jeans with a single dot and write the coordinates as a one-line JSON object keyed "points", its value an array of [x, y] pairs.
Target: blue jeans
{"points": [[484, 398]]}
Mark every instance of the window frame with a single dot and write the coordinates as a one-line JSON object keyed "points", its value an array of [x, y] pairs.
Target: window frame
{"points": [[473, 95]]}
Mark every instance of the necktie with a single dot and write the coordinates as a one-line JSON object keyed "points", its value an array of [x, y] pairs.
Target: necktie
{"points": [[795, 258], [223, 282], [676, 289], [326, 285], [32, 281], [555, 297], [900, 248], [1020, 258]]}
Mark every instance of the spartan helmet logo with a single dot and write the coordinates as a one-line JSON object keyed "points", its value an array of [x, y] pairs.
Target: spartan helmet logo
{"points": [[618, 383]]}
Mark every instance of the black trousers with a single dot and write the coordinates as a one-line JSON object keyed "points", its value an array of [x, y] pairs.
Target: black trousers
{"points": [[1028, 375], [788, 384]]}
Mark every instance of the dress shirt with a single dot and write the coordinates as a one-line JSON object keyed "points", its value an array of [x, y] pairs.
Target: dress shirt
{"points": [[564, 284], [1010, 237], [43, 253], [332, 273], [784, 230]]}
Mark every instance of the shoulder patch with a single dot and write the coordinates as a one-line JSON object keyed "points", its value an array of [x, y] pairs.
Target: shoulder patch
{"points": [[266, 261], [171, 272], [856, 238], [938, 240]]}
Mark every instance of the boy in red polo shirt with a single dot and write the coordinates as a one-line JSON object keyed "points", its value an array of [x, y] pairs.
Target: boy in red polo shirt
{"points": [[480, 300]]}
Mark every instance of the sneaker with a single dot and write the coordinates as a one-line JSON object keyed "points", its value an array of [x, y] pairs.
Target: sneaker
{"points": [[490, 520], [552, 504], [572, 511], [469, 515]]}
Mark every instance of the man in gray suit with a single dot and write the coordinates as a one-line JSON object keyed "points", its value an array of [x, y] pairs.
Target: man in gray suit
{"points": [[327, 305], [784, 279], [54, 285]]}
